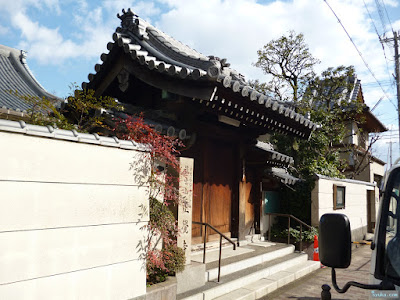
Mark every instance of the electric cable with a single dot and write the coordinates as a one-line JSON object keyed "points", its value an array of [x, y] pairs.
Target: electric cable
{"points": [[359, 52]]}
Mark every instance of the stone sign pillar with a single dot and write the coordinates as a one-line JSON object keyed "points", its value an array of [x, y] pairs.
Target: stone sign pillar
{"points": [[185, 206]]}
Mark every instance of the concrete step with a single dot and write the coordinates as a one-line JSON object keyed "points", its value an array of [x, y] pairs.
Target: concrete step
{"points": [[240, 264], [264, 286], [197, 274], [212, 245], [255, 279]]}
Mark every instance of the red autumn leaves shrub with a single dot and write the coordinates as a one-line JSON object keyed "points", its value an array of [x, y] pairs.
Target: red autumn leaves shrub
{"points": [[163, 150]]}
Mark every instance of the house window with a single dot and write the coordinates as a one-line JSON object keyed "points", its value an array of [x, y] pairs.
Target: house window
{"points": [[339, 196]]}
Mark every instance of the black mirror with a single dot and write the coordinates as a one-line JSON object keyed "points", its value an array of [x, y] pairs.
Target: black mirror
{"points": [[335, 241]]}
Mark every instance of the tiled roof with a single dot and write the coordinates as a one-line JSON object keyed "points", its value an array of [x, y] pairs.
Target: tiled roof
{"points": [[16, 76], [68, 135], [372, 123], [274, 157], [159, 52], [283, 176], [356, 88]]}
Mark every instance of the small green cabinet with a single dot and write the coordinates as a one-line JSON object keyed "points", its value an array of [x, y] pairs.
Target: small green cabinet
{"points": [[271, 202]]}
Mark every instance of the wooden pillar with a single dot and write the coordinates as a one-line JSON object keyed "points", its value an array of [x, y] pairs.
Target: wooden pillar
{"points": [[242, 195], [185, 205]]}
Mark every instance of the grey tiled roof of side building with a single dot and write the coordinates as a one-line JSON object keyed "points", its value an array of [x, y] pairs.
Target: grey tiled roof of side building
{"points": [[16, 76]]}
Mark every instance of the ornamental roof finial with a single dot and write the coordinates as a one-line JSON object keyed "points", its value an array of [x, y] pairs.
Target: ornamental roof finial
{"points": [[127, 18]]}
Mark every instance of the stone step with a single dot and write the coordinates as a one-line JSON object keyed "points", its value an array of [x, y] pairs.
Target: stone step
{"points": [[267, 285], [212, 245], [253, 238], [212, 273], [265, 276], [197, 274]]}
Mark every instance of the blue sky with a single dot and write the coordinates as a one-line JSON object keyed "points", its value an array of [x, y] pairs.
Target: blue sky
{"points": [[64, 39]]}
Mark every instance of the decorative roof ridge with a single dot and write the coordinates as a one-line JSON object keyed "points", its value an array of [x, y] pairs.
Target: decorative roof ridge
{"points": [[18, 60], [6, 51], [131, 23], [68, 135], [22, 59], [186, 51], [134, 26]]}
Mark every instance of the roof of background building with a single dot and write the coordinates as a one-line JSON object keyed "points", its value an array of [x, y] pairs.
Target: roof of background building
{"points": [[372, 123], [15, 76]]}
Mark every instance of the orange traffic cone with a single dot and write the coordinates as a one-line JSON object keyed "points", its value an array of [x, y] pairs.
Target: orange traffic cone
{"points": [[316, 252]]}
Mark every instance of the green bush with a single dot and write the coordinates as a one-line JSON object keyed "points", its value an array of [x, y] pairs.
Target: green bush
{"points": [[307, 235], [161, 217], [170, 259], [174, 259]]}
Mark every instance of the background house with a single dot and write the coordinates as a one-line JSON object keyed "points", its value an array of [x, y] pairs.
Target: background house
{"points": [[358, 196], [362, 165]]}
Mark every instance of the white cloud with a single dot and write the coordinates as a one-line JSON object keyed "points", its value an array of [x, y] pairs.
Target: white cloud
{"points": [[396, 25], [247, 25], [89, 30], [392, 3], [15, 6], [4, 30], [145, 9], [42, 43], [48, 45]]}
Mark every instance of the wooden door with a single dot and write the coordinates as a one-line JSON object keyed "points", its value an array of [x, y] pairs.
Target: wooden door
{"points": [[213, 186], [218, 188], [370, 211]]}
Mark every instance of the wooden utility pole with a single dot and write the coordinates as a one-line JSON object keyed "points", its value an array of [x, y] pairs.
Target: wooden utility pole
{"points": [[390, 154], [395, 39], [396, 66]]}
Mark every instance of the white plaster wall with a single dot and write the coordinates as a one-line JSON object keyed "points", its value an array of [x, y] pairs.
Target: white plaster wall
{"points": [[71, 218], [377, 169], [355, 202], [366, 175]]}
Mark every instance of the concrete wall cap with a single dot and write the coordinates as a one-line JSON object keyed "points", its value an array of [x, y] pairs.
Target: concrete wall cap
{"points": [[69, 135], [319, 176]]}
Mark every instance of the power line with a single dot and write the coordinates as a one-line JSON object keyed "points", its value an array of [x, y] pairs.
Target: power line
{"points": [[359, 52], [381, 15], [382, 42], [372, 20], [384, 83], [387, 15]]}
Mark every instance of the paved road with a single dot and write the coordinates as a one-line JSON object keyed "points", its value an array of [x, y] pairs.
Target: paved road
{"points": [[309, 287]]}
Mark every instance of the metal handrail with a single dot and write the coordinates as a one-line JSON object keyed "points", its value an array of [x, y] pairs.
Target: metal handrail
{"points": [[289, 217], [221, 235]]}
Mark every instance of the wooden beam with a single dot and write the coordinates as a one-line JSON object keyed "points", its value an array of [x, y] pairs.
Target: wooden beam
{"points": [[110, 76], [188, 88]]}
